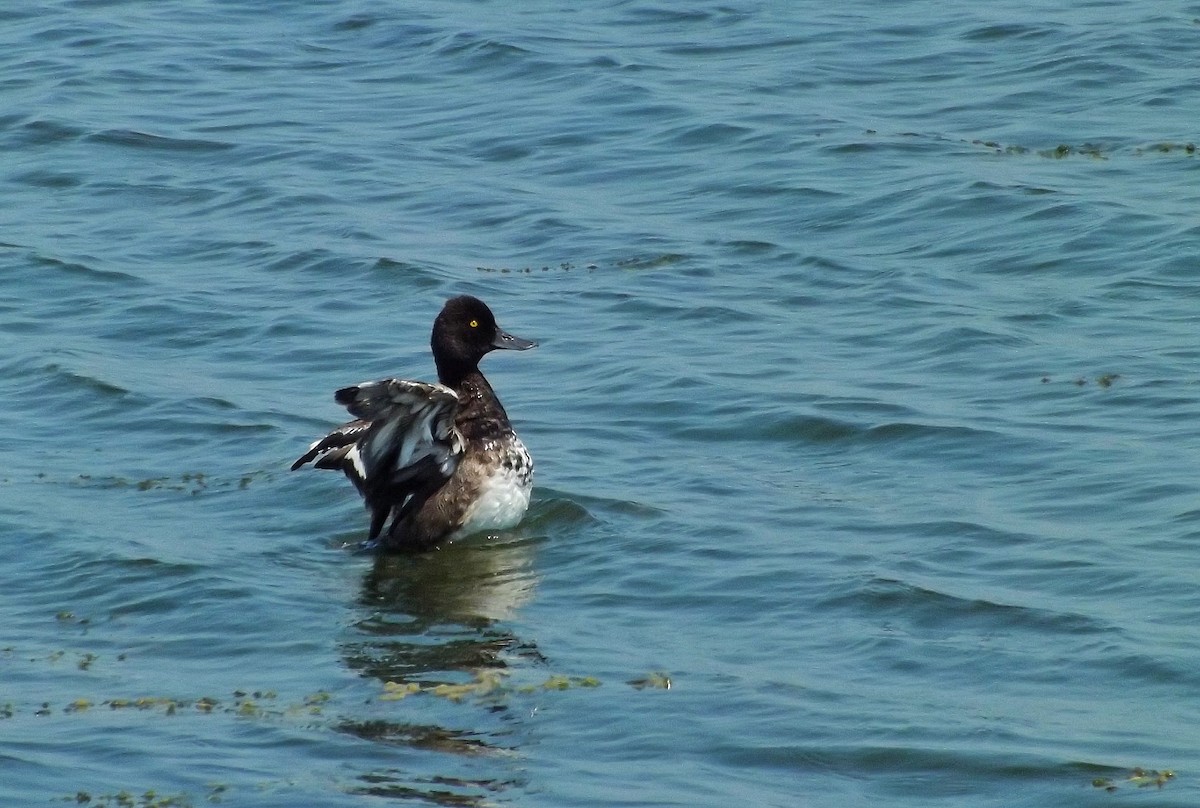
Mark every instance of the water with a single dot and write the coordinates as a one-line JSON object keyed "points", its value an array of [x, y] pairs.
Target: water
{"points": [[863, 412]]}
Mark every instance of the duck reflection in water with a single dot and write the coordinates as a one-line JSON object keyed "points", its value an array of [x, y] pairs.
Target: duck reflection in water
{"points": [[435, 620]]}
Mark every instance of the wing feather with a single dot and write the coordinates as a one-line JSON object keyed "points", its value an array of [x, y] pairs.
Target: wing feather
{"points": [[402, 448], [344, 435]]}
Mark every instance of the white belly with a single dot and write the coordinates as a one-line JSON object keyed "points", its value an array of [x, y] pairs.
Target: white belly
{"points": [[501, 503]]}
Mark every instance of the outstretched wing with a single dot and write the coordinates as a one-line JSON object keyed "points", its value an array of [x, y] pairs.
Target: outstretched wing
{"points": [[409, 424], [403, 447], [343, 437]]}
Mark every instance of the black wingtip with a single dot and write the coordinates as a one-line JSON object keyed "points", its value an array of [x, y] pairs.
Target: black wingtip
{"points": [[304, 458]]}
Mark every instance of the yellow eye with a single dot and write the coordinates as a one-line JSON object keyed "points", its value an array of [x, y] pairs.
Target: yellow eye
{"points": [[474, 324]]}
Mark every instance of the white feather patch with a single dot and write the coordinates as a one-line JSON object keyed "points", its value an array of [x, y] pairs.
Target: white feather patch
{"points": [[502, 501]]}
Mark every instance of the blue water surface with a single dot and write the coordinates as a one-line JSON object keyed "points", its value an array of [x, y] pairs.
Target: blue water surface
{"points": [[868, 469]]}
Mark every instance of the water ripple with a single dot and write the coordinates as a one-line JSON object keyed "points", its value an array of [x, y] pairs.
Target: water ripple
{"points": [[863, 410], [924, 607]]}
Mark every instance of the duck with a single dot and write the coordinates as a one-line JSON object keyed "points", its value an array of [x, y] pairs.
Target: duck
{"points": [[434, 462]]}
